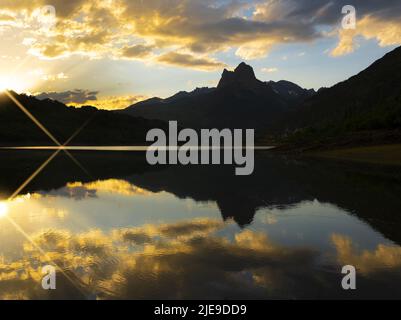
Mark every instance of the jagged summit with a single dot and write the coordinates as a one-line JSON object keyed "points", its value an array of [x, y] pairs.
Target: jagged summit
{"points": [[243, 74], [239, 101], [245, 70]]}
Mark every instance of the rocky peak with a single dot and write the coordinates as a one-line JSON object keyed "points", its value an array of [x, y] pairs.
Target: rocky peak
{"points": [[242, 75]]}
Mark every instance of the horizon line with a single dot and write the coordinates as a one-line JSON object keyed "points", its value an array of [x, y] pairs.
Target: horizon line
{"points": [[137, 148]]}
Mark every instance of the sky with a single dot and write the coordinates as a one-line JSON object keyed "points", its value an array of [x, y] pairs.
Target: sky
{"points": [[113, 53]]}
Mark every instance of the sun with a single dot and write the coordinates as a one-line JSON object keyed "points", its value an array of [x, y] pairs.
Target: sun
{"points": [[11, 83], [3, 209], [3, 85]]}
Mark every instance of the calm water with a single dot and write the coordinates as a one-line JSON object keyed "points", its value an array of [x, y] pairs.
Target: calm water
{"points": [[124, 230]]}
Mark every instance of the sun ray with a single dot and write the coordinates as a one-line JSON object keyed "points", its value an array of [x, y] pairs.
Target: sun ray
{"points": [[22, 231], [30, 116], [34, 175], [70, 139], [47, 132], [44, 253]]}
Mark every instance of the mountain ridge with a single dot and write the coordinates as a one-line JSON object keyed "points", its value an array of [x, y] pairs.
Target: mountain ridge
{"points": [[369, 100], [95, 127], [240, 100]]}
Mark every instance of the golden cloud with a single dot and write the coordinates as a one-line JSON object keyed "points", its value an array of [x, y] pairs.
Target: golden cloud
{"points": [[118, 102], [167, 261], [106, 28], [384, 257], [196, 30], [79, 97], [387, 33]]}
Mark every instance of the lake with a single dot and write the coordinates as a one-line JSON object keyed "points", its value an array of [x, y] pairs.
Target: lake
{"points": [[118, 228]]}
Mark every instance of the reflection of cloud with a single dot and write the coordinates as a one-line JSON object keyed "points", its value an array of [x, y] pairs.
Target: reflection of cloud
{"points": [[185, 259], [382, 258], [136, 236], [269, 218], [121, 187], [79, 190], [182, 230], [197, 227], [156, 261]]}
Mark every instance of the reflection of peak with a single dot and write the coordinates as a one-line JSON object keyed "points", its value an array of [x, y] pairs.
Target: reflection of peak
{"points": [[242, 75], [242, 212]]}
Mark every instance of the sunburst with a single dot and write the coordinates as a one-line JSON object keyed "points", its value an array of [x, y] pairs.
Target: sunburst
{"points": [[12, 83]]}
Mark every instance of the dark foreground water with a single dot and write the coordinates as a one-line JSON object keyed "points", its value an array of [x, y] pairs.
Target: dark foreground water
{"points": [[124, 230]]}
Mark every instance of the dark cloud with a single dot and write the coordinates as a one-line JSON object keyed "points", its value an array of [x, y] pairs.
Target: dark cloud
{"points": [[188, 60], [137, 237], [328, 12], [137, 51], [192, 27], [75, 96]]}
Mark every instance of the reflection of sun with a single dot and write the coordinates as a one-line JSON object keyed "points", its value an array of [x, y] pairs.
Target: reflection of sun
{"points": [[3, 209]]}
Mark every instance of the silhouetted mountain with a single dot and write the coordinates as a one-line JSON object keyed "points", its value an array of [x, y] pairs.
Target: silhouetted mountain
{"points": [[371, 100], [185, 94], [242, 77], [291, 91], [102, 127], [239, 101]]}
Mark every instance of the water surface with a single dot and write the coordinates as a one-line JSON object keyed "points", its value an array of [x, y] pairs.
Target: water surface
{"points": [[124, 230]]}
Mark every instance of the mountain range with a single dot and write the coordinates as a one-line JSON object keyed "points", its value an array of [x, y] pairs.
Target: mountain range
{"points": [[239, 101], [95, 127], [368, 101]]}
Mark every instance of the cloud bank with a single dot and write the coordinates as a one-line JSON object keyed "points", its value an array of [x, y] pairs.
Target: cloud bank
{"points": [[190, 33], [80, 97]]}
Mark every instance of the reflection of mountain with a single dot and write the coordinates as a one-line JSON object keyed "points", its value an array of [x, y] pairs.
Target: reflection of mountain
{"points": [[371, 193], [103, 127], [239, 101]]}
